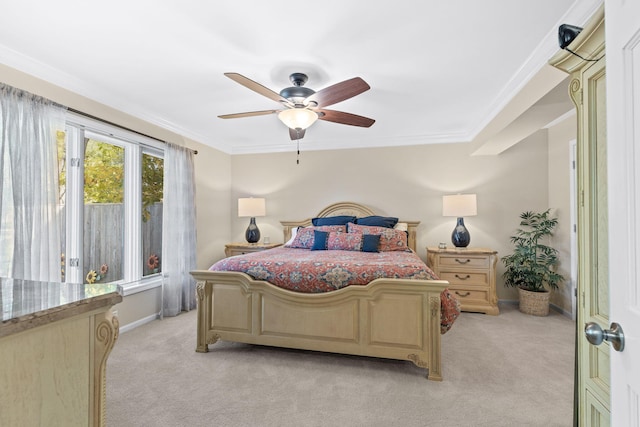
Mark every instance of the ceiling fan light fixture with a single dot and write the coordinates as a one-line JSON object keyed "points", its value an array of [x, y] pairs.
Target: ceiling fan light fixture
{"points": [[297, 118]]}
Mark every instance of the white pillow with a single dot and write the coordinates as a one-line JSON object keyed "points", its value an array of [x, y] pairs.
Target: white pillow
{"points": [[402, 226], [294, 231]]}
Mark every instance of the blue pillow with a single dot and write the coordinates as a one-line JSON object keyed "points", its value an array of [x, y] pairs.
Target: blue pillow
{"points": [[333, 220], [370, 242], [378, 221], [320, 240]]}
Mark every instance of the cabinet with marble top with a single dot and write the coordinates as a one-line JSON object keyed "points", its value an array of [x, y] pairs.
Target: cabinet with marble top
{"points": [[54, 342]]}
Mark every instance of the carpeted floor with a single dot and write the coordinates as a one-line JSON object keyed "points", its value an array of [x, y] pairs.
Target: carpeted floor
{"points": [[506, 370]]}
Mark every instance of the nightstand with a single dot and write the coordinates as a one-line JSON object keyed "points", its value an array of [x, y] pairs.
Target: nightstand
{"points": [[245, 248], [471, 273]]}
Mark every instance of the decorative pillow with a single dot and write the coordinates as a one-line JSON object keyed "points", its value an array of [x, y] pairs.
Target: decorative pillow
{"points": [[390, 239], [344, 242], [370, 242], [377, 221], [320, 239], [304, 236], [333, 220]]}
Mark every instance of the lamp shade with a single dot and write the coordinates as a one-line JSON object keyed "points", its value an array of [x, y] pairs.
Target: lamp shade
{"points": [[251, 207], [297, 118], [459, 205]]}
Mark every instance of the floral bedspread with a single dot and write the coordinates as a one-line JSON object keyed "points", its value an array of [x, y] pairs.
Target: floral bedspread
{"points": [[303, 270]]}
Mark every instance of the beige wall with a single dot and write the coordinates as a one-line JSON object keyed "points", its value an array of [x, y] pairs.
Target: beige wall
{"points": [[213, 184], [407, 182]]}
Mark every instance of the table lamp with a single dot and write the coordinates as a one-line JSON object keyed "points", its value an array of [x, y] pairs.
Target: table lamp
{"points": [[251, 207], [460, 205]]}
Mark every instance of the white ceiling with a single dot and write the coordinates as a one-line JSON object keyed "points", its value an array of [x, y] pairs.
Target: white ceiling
{"points": [[439, 71]]}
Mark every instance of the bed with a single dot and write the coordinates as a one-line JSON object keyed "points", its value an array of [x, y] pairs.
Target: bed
{"points": [[394, 318]]}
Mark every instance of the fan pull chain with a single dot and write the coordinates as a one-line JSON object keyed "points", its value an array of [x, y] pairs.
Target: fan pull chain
{"points": [[298, 158]]}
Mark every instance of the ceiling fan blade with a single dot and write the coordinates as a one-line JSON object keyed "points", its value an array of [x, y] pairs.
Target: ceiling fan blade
{"points": [[257, 87], [248, 114], [296, 134], [344, 118], [338, 92]]}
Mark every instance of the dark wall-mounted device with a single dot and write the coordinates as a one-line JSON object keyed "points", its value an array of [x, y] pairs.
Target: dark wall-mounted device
{"points": [[566, 34]]}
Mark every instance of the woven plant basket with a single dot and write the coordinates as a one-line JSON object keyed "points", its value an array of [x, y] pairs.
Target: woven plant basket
{"points": [[534, 303]]}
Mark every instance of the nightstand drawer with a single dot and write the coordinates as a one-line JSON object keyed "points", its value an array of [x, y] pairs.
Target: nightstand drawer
{"points": [[467, 261], [234, 252], [470, 296], [465, 278]]}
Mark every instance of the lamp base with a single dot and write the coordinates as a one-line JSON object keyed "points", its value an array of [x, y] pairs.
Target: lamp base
{"points": [[253, 233], [460, 236]]}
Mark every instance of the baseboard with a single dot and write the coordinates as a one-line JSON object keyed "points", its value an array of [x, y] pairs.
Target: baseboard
{"points": [[139, 322], [508, 302], [552, 306], [561, 310]]}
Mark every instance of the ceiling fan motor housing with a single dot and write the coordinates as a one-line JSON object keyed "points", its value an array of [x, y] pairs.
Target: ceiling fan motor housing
{"points": [[297, 93]]}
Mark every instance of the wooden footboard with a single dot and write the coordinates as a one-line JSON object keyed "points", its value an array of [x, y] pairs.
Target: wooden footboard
{"points": [[388, 318]]}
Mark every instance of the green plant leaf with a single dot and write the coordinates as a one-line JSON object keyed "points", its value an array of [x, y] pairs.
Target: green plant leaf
{"points": [[532, 264]]}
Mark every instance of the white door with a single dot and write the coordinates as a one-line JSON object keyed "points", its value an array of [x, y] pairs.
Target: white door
{"points": [[622, 35]]}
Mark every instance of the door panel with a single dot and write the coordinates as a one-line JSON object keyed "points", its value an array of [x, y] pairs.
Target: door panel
{"points": [[623, 106], [593, 244], [596, 413], [599, 371], [596, 93]]}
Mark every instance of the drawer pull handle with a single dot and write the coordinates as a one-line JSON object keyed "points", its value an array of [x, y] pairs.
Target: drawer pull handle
{"points": [[462, 261], [463, 278], [466, 294]]}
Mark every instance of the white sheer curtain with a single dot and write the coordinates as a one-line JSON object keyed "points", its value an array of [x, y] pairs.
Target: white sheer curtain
{"points": [[178, 231], [30, 226]]}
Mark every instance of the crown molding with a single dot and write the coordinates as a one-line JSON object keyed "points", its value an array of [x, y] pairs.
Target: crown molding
{"points": [[307, 144]]}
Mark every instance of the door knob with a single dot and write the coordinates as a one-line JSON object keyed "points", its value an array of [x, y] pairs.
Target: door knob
{"points": [[595, 335]]}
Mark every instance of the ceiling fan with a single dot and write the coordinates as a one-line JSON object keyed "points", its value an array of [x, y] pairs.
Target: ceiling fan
{"points": [[303, 106]]}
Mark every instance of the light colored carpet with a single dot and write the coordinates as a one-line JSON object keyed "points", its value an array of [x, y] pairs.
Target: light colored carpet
{"points": [[506, 370]]}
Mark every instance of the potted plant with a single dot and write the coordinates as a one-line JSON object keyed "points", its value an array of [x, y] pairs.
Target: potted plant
{"points": [[531, 266]]}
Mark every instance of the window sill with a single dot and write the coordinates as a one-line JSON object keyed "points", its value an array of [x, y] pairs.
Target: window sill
{"points": [[141, 285]]}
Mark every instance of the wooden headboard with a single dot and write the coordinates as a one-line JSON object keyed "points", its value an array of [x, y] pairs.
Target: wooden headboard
{"points": [[347, 208]]}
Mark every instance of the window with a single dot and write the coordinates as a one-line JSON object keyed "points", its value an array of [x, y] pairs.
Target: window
{"points": [[152, 187], [111, 184], [104, 217], [62, 193]]}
